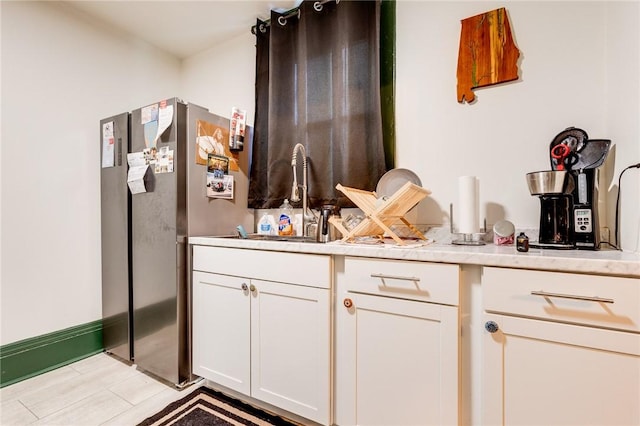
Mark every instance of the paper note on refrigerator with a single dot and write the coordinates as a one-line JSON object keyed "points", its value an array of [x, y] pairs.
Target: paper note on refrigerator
{"points": [[136, 159], [149, 113], [135, 179], [150, 131], [165, 117], [164, 161], [108, 145]]}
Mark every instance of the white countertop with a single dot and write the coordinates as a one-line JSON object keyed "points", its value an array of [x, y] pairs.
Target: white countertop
{"points": [[606, 262]]}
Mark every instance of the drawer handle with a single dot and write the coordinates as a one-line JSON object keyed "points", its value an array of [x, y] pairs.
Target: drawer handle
{"points": [[395, 277], [348, 303], [572, 296]]}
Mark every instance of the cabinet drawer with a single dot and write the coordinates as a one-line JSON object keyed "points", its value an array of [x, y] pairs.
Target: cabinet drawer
{"points": [[612, 302], [294, 268], [429, 282]]}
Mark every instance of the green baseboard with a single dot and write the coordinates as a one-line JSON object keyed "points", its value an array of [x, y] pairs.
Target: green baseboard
{"points": [[31, 357]]}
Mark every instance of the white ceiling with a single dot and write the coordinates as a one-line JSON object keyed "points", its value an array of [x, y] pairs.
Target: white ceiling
{"points": [[182, 28]]}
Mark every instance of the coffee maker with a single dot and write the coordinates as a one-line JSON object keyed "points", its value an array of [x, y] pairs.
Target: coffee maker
{"points": [[555, 190], [569, 192]]}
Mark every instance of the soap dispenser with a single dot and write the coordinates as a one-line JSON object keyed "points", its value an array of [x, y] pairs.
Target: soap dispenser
{"points": [[285, 221]]}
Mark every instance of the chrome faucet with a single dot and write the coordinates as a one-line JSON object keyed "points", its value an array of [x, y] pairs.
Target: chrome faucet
{"points": [[307, 217]]}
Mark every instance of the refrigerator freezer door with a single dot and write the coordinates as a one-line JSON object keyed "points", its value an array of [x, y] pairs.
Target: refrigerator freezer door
{"points": [[116, 210]]}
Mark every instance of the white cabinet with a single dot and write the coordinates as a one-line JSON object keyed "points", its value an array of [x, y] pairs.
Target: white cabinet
{"points": [[560, 349], [222, 330], [266, 339], [397, 343]]}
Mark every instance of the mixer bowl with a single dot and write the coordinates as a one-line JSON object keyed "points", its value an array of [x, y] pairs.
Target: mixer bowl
{"points": [[550, 182]]}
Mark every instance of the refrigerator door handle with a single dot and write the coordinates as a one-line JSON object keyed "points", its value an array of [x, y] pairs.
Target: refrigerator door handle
{"points": [[119, 151]]}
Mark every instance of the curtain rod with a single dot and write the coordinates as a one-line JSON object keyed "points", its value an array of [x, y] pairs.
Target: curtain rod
{"points": [[282, 19]]}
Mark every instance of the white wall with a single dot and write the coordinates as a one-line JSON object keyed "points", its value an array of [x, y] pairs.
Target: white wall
{"points": [[223, 77], [579, 67], [622, 64], [61, 74]]}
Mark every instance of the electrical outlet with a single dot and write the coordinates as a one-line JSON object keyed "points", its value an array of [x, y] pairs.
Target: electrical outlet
{"points": [[605, 235]]}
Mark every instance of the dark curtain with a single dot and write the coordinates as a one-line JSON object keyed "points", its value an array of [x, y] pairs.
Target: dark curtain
{"points": [[318, 83]]}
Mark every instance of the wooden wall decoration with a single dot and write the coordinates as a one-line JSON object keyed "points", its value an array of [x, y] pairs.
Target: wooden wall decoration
{"points": [[487, 53]]}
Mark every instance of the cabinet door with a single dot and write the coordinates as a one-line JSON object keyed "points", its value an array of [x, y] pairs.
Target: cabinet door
{"points": [[547, 373], [290, 342], [221, 327], [397, 362]]}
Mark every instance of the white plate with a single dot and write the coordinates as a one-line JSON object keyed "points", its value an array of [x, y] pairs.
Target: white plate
{"points": [[393, 180]]}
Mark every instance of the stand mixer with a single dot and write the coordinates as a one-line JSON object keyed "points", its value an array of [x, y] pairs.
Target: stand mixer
{"points": [[569, 192]]}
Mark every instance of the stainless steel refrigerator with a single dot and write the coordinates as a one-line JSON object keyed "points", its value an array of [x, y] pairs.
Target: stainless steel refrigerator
{"points": [[174, 207]]}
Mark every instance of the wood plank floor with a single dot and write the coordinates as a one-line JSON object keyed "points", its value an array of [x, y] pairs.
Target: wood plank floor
{"points": [[98, 390]]}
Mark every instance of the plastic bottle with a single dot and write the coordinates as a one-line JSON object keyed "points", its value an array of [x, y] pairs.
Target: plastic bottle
{"points": [[285, 222], [266, 226], [522, 243]]}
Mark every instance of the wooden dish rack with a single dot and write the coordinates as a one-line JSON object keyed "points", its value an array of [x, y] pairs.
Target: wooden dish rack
{"points": [[381, 215]]}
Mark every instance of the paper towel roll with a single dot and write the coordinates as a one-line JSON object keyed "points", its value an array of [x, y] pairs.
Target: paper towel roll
{"points": [[468, 205]]}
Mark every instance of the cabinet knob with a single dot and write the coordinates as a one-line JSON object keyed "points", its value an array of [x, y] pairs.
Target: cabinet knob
{"points": [[491, 326], [252, 288], [244, 287], [348, 303]]}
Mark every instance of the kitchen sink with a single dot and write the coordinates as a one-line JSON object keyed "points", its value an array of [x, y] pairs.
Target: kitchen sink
{"points": [[280, 238]]}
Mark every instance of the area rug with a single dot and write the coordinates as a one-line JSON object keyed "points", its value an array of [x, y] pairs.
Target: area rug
{"points": [[205, 407]]}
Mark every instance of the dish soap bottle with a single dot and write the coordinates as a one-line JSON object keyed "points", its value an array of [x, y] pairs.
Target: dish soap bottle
{"points": [[285, 222], [266, 226]]}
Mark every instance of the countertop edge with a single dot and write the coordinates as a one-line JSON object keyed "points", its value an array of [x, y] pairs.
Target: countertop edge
{"points": [[605, 262]]}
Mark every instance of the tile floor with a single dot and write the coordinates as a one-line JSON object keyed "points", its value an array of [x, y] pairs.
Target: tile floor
{"points": [[98, 390]]}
